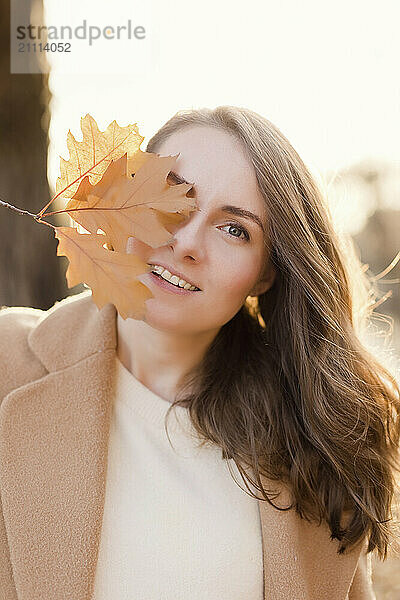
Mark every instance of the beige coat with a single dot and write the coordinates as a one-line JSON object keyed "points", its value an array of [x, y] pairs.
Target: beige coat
{"points": [[56, 382]]}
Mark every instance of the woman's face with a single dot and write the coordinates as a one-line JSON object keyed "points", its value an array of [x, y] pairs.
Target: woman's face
{"points": [[210, 247]]}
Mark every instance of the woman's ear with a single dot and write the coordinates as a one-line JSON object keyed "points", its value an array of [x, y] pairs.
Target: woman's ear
{"points": [[265, 282]]}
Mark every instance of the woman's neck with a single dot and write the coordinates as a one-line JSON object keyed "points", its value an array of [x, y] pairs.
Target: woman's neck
{"points": [[159, 359]]}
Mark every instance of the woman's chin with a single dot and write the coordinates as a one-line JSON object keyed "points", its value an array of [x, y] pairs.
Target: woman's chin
{"points": [[162, 317]]}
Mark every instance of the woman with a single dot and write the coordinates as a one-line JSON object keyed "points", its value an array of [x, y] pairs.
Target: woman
{"points": [[263, 364]]}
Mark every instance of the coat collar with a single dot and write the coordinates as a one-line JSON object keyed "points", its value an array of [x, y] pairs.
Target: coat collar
{"points": [[53, 453]]}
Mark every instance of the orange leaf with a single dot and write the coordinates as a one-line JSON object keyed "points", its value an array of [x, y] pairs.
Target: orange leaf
{"points": [[95, 152], [144, 207], [111, 275], [128, 196]]}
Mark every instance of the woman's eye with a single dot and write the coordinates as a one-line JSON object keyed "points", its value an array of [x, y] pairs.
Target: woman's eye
{"points": [[238, 228]]}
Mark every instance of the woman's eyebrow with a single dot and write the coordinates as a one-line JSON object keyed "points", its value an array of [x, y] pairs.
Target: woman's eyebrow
{"points": [[227, 208], [242, 212]]}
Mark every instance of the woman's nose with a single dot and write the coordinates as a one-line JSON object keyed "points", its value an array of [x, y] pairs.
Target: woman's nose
{"points": [[187, 240]]}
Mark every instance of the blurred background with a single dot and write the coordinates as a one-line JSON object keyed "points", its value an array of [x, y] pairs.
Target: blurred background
{"points": [[326, 73]]}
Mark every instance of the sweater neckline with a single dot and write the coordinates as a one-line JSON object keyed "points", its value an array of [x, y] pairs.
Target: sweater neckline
{"points": [[144, 401]]}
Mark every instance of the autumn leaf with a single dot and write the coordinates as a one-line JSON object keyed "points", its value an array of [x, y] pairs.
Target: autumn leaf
{"points": [[145, 207], [130, 198], [95, 152], [110, 275]]}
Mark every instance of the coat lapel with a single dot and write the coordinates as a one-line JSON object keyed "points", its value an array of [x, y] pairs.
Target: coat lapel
{"points": [[53, 453], [54, 434], [300, 560]]}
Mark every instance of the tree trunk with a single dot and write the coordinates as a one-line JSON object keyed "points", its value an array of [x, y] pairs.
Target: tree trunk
{"points": [[31, 274]]}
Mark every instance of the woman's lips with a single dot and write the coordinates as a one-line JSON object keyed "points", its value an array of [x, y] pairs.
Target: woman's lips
{"points": [[169, 287]]}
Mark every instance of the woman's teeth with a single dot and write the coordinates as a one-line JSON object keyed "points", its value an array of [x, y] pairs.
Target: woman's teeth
{"points": [[173, 279]]}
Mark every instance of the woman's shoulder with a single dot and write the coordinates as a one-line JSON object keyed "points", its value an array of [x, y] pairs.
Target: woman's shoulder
{"points": [[16, 322], [18, 362], [20, 320]]}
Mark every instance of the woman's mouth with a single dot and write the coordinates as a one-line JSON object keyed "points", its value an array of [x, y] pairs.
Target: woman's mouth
{"points": [[170, 287]]}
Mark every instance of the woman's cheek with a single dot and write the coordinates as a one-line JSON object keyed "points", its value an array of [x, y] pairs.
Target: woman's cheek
{"points": [[238, 284]]}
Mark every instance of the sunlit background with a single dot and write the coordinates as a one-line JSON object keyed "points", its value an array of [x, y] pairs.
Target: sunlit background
{"points": [[325, 73]]}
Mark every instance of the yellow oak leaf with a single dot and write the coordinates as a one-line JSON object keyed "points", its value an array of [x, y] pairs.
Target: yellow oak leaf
{"points": [[144, 206], [129, 196], [95, 152], [110, 275]]}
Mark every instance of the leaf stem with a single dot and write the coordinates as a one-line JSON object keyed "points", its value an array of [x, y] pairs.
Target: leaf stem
{"points": [[26, 212], [18, 210]]}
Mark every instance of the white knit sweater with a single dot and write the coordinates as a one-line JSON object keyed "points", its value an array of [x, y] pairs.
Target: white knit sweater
{"points": [[176, 526]]}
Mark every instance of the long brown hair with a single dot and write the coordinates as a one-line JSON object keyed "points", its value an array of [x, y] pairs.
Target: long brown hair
{"points": [[287, 388]]}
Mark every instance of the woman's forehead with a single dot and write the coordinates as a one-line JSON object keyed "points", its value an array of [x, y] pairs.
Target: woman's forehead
{"points": [[214, 161], [204, 144]]}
